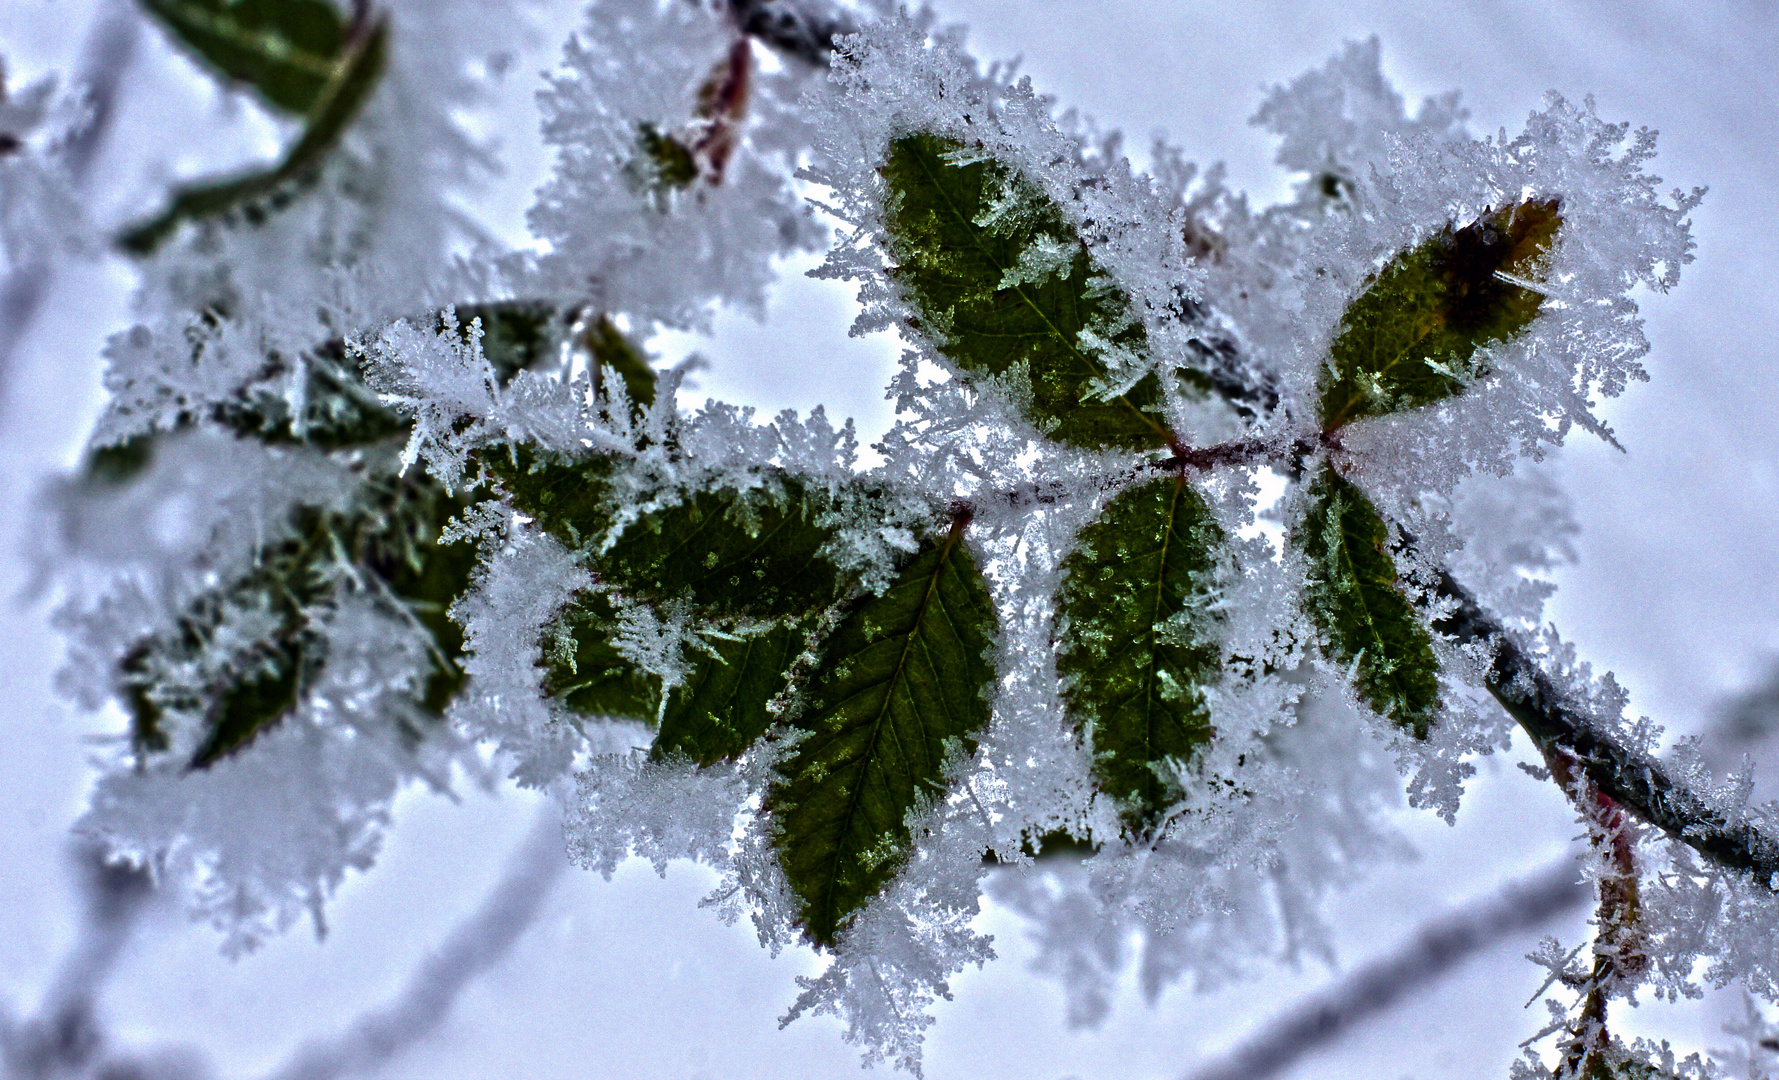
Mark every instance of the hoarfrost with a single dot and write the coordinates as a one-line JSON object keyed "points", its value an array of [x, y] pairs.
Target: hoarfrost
{"points": [[259, 840], [647, 79]]}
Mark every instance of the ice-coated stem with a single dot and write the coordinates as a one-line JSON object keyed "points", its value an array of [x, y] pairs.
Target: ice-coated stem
{"points": [[1628, 776]]}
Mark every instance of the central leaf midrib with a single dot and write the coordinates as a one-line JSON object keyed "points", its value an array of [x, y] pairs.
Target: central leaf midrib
{"points": [[1377, 640], [866, 757], [254, 41], [970, 228], [1167, 536]]}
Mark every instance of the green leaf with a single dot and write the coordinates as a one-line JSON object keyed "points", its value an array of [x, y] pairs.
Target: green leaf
{"points": [[255, 194], [586, 672], [1139, 639], [749, 554], [723, 708], [1411, 337], [900, 693], [570, 498], [1004, 287], [1352, 596], [286, 50], [736, 554]]}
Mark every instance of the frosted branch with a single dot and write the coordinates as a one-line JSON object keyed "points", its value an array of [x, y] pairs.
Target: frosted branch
{"points": [[1623, 773]]}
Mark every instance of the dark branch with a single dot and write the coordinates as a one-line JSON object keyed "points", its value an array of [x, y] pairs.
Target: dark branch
{"points": [[792, 27], [1626, 775]]}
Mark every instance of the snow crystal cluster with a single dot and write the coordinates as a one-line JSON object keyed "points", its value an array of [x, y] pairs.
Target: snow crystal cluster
{"points": [[688, 159]]}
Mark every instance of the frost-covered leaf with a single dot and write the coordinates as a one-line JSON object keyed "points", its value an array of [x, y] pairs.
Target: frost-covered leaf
{"points": [[750, 554], [1138, 639], [1352, 596], [585, 671], [241, 657], [1411, 336], [723, 706], [899, 696], [753, 553], [286, 50], [257, 194], [1005, 288], [571, 498]]}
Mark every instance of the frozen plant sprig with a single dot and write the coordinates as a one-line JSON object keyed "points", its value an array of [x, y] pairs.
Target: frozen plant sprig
{"points": [[1037, 626]]}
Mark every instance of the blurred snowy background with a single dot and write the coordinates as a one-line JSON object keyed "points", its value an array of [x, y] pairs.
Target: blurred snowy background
{"points": [[1676, 590]]}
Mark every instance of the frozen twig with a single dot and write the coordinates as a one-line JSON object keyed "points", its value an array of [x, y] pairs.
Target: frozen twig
{"points": [[22, 291], [65, 1035], [1620, 772]]}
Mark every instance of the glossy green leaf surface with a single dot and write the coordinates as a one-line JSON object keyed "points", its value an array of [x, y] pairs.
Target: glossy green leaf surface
{"points": [[750, 554], [898, 694], [1353, 598], [1411, 337], [257, 194], [1003, 286], [285, 49], [1138, 639], [723, 708], [570, 498]]}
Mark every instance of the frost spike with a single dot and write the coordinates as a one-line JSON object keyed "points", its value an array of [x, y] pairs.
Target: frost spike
{"points": [[898, 695], [1352, 596], [1137, 644], [1411, 336]]}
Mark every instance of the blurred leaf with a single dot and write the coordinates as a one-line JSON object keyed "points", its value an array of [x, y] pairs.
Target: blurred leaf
{"points": [[1411, 336], [387, 543], [257, 193], [1005, 287], [1138, 640], [609, 348], [516, 334], [287, 50], [1352, 596], [259, 700], [335, 411], [899, 693]]}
